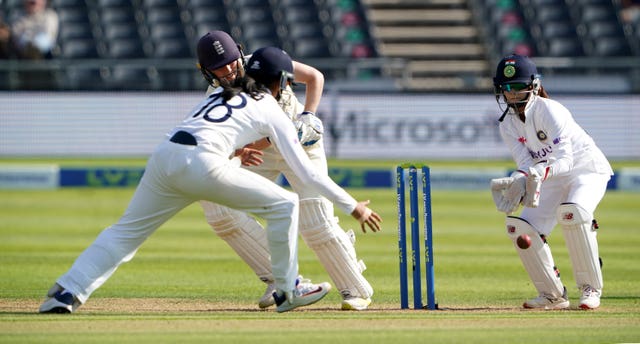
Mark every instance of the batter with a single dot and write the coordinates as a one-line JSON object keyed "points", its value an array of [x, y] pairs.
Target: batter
{"points": [[221, 60]]}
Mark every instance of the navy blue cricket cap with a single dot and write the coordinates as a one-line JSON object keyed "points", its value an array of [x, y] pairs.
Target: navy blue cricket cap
{"points": [[515, 69], [267, 64], [217, 49]]}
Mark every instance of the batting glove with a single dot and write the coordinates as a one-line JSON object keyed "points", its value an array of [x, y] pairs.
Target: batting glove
{"points": [[310, 128]]}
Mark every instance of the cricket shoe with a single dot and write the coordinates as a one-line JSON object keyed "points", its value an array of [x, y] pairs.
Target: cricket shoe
{"points": [[546, 301], [305, 293], [267, 298], [353, 303], [590, 298], [59, 301]]}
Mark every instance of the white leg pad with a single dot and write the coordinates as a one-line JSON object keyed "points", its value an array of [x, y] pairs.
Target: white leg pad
{"points": [[580, 237], [537, 259], [333, 247], [244, 235]]}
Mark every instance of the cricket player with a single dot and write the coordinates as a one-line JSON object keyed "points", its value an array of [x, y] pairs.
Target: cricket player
{"points": [[221, 60], [560, 179], [194, 164]]}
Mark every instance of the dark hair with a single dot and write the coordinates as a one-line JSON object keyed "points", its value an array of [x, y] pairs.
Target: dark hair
{"points": [[247, 85], [543, 93]]}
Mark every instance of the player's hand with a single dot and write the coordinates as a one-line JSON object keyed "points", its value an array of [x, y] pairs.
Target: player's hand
{"points": [[542, 169], [531, 197], [515, 192], [498, 188], [310, 128], [365, 215], [249, 156]]}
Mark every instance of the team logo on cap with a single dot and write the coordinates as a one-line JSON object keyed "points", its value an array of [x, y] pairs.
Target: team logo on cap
{"points": [[255, 65], [218, 47], [509, 71], [509, 68], [541, 135]]}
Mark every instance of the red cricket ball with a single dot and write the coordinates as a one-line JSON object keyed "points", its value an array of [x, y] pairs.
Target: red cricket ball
{"points": [[523, 241]]}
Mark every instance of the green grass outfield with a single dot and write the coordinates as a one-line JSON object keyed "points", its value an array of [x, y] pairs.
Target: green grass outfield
{"points": [[186, 285]]}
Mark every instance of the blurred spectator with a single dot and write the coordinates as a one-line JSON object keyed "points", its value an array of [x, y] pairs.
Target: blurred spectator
{"points": [[34, 30], [630, 12], [5, 34]]}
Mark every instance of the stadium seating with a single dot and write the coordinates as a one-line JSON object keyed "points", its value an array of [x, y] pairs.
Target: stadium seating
{"points": [[448, 44], [438, 38]]}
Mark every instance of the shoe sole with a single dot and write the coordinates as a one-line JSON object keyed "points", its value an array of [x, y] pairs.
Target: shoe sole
{"points": [[266, 304], [350, 307], [53, 306], [587, 307], [547, 308]]}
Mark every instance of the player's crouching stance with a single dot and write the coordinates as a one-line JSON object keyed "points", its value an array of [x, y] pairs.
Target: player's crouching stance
{"points": [[562, 176], [221, 61], [193, 164]]}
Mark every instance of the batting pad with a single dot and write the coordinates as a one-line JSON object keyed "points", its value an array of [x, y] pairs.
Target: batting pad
{"points": [[537, 259], [333, 247], [244, 235], [582, 244]]}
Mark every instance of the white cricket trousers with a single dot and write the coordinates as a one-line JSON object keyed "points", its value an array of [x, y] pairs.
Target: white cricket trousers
{"points": [[175, 176], [585, 189]]}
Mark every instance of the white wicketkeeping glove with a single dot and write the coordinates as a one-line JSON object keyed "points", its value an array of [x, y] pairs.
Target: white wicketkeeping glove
{"points": [[508, 192], [531, 197], [498, 187], [310, 128], [542, 169], [514, 194]]}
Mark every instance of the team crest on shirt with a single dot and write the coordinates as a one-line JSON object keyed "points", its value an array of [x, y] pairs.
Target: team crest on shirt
{"points": [[541, 135]]}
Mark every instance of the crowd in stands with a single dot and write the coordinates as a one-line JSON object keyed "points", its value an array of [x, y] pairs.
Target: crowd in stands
{"points": [[30, 33], [630, 12], [325, 29]]}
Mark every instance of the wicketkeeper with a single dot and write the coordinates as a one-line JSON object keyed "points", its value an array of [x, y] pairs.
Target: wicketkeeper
{"points": [[561, 177]]}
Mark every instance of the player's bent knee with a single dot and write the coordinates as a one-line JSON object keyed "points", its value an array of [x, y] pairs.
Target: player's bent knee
{"points": [[282, 209], [214, 212], [580, 237], [225, 221], [518, 228], [570, 215], [535, 256], [317, 221]]}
